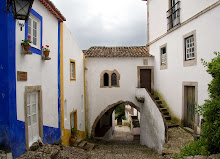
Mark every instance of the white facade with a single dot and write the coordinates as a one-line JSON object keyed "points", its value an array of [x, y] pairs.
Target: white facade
{"points": [[40, 72], [169, 82], [99, 98], [73, 89]]}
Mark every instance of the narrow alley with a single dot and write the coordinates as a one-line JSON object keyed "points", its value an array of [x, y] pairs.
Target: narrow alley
{"points": [[122, 146]]}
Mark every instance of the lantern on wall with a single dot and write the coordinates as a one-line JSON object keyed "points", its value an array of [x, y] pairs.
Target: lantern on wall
{"points": [[19, 8]]}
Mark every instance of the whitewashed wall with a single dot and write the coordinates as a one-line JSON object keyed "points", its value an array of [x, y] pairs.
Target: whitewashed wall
{"points": [[168, 82], [40, 72], [158, 17], [99, 98], [73, 90]]}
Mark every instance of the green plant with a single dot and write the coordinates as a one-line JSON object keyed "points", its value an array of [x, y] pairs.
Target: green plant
{"points": [[209, 143], [26, 41], [74, 132]]}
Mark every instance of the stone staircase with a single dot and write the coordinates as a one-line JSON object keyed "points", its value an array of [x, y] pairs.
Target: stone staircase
{"points": [[165, 113], [83, 145]]}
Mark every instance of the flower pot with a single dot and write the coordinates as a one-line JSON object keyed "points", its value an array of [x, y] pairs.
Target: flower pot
{"points": [[72, 141], [26, 47], [46, 53]]}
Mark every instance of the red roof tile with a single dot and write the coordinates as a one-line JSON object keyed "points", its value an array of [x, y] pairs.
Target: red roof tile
{"points": [[51, 7], [134, 51]]}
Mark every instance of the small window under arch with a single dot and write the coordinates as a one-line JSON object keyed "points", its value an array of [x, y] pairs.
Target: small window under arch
{"points": [[114, 79], [106, 79]]}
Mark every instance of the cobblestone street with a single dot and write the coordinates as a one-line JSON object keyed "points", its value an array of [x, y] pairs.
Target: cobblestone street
{"points": [[122, 146]]}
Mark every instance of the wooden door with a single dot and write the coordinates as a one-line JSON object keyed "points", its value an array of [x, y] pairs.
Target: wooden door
{"points": [[145, 79], [73, 120], [190, 107], [32, 117]]}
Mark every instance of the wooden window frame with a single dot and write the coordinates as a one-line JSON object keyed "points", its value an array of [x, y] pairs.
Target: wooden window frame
{"points": [[72, 61]]}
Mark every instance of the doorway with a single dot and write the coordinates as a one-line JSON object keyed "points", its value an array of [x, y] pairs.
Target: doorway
{"points": [[33, 117], [73, 121], [189, 104], [145, 79]]}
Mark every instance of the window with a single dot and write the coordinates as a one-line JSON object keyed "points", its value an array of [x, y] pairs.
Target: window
{"points": [[163, 57], [189, 49], [72, 70], [106, 79], [34, 31], [114, 79], [109, 79], [189, 45], [173, 14], [33, 27]]}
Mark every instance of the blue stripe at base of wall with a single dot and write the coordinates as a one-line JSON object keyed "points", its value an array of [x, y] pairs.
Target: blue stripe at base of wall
{"points": [[51, 135]]}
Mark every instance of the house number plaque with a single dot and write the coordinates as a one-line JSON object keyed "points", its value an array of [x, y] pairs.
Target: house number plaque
{"points": [[21, 76]]}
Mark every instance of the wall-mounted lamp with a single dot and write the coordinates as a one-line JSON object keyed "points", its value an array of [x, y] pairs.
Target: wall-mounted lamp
{"points": [[19, 8]]}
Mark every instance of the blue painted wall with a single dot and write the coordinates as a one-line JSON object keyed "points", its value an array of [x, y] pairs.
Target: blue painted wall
{"points": [[12, 134], [12, 131], [4, 81]]}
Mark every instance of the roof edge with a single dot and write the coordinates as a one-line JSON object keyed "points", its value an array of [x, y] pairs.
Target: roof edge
{"points": [[51, 7]]}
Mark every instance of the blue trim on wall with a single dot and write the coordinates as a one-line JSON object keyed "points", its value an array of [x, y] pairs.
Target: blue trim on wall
{"points": [[12, 132], [59, 111], [38, 16], [4, 83]]}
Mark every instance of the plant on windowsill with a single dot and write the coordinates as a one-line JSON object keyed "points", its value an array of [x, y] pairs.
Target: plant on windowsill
{"points": [[46, 50], [26, 43], [73, 136]]}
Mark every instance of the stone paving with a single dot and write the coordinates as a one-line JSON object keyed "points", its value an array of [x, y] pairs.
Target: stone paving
{"points": [[122, 146]]}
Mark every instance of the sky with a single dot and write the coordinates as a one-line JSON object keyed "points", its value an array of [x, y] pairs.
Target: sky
{"points": [[105, 22]]}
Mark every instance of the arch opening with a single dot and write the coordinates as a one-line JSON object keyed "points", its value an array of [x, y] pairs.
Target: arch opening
{"points": [[105, 120]]}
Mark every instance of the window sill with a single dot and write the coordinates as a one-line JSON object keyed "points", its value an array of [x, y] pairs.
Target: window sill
{"points": [[26, 52], [73, 79], [46, 58]]}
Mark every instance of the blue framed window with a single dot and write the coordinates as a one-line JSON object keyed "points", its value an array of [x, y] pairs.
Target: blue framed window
{"points": [[33, 27]]}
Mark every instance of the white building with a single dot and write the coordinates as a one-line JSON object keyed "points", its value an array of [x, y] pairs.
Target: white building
{"points": [[180, 33], [113, 77], [38, 93]]}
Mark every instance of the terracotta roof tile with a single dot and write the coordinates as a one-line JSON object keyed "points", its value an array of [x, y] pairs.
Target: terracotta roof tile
{"points": [[134, 51], [51, 7]]}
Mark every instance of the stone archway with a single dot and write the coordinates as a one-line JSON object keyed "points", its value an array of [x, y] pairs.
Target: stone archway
{"points": [[106, 109]]}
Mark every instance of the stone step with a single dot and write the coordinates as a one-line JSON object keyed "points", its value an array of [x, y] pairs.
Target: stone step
{"points": [[89, 146], [156, 98], [167, 117], [163, 109], [165, 113], [77, 142], [161, 106], [82, 144], [158, 101], [172, 125]]}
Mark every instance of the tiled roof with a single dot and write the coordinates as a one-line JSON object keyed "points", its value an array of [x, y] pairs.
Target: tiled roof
{"points": [[51, 7], [134, 51]]}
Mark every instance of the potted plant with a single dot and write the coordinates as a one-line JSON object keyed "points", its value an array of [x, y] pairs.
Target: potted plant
{"points": [[26, 43], [46, 50], [73, 136]]}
